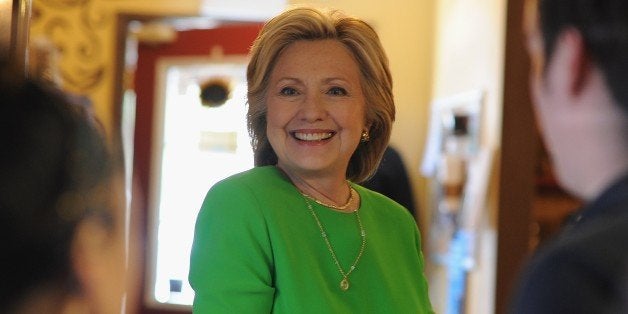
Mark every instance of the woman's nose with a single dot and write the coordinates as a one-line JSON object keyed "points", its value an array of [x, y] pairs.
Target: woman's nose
{"points": [[313, 108]]}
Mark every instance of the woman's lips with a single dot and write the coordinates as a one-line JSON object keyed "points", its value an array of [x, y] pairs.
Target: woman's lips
{"points": [[312, 136]]}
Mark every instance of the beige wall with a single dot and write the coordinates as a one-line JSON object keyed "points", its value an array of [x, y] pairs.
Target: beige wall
{"points": [[469, 52]]}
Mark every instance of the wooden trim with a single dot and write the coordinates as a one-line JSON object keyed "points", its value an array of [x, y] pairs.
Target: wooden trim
{"points": [[18, 21], [518, 157], [138, 196]]}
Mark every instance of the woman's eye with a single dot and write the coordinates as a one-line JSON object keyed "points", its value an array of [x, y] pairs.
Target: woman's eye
{"points": [[337, 91], [288, 91]]}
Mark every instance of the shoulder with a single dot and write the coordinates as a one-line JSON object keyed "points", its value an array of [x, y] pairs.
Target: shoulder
{"points": [[591, 246], [256, 180], [260, 189], [253, 176], [369, 195], [383, 205], [237, 203], [600, 238], [587, 261]]}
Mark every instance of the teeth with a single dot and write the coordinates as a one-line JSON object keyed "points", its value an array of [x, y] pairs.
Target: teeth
{"points": [[313, 136]]}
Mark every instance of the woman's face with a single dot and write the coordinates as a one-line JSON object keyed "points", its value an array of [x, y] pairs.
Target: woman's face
{"points": [[316, 108]]}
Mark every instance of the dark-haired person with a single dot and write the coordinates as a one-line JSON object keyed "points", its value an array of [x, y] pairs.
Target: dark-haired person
{"points": [[297, 234], [579, 74], [61, 204], [391, 179]]}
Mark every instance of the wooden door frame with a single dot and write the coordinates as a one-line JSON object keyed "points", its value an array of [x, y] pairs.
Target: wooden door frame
{"points": [[138, 195], [143, 127], [519, 143]]}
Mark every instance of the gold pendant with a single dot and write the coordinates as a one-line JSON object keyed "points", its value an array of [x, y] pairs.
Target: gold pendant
{"points": [[344, 284]]}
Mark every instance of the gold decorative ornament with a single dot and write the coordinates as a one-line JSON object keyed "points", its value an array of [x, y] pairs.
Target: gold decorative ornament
{"points": [[81, 61], [365, 137]]}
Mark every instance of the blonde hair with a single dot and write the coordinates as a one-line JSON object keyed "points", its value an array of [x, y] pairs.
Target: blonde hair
{"points": [[305, 23]]}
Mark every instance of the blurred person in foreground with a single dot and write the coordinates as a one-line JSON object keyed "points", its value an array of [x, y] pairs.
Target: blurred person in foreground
{"points": [[61, 204], [297, 234], [579, 73]]}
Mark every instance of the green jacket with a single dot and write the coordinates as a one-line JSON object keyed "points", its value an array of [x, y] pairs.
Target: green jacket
{"points": [[258, 249]]}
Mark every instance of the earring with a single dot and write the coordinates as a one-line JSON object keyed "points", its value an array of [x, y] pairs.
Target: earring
{"points": [[365, 137]]}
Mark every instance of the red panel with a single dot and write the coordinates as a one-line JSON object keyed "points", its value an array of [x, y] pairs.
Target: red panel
{"points": [[234, 39]]}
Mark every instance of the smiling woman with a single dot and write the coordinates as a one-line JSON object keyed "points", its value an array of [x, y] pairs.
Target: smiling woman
{"points": [[314, 104], [297, 233]]}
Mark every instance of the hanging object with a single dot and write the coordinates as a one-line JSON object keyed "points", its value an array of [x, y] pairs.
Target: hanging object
{"points": [[215, 92]]}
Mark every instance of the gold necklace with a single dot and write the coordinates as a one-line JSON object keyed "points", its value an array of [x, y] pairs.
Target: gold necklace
{"points": [[334, 206], [344, 283]]}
